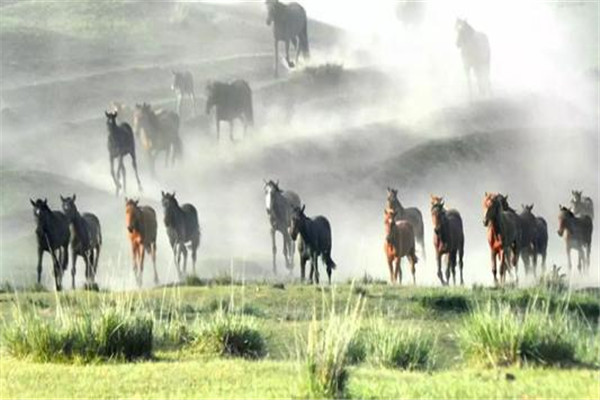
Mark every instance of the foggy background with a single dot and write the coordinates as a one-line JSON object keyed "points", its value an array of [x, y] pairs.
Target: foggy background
{"points": [[399, 116]]}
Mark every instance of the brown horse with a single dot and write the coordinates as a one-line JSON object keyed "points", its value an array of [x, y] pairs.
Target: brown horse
{"points": [[141, 224], [399, 242], [502, 234], [448, 239], [578, 236], [411, 214]]}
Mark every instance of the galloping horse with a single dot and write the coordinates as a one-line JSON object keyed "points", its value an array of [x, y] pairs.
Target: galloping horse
{"points": [[410, 214], [86, 239], [120, 144], [502, 234], [289, 25], [476, 55], [528, 244], [158, 131], [232, 101], [316, 236], [578, 236], [280, 205], [182, 228], [399, 242], [540, 240], [183, 85], [582, 205], [52, 234], [448, 239], [141, 225]]}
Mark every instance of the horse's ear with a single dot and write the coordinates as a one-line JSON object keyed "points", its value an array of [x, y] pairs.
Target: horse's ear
{"points": [[106, 114], [32, 202], [442, 202], [302, 209], [62, 198], [531, 206], [74, 196], [162, 193], [173, 195]]}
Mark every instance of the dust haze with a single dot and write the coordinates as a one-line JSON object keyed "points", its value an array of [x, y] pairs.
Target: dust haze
{"points": [[397, 115]]}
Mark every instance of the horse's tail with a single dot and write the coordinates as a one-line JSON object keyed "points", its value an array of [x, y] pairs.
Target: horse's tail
{"points": [[248, 108], [304, 40], [328, 261]]}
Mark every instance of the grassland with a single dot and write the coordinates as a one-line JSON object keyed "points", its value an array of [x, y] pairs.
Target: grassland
{"points": [[282, 315]]}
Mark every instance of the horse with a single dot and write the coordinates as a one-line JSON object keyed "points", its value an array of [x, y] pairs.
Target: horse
{"points": [[410, 214], [582, 205], [503, 234], [540, 241], [120, 144], [53, 235], [280, 205], [141, 225], [476, 55], [182, 228], [158, 131], [183, 85], [449, 238], [316, 236], [528, 245], [289, 26], [399, 242], [577, 232], [86, 239], [231, 101]]}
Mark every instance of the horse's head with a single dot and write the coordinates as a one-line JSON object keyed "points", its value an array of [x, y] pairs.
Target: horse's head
{"points": [[491, 206], [392, 197], [132, 214], [576, 200], [437, 216], [68, 205], [271, 6], [270, 189], [168, 200], [389, 219], [563, 216], [40, 209], [298, 221], [464, 32], [142, 114], [435, 200], [111, 117], [527, 208], [178, 80]]}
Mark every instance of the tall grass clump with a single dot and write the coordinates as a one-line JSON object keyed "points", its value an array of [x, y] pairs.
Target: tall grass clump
{"points": [[327, 350], [113, 332], [404, 347], [502, 334], [230, 334]]}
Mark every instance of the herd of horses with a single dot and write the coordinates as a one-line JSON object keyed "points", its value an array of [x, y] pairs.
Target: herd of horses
{"points": [[511, 235]]}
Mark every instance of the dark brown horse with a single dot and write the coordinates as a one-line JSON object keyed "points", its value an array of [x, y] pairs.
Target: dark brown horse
{"points": [[120, 144], [399, 242], [86, 239], [141, 225], [502, 233], [231, 101], [577, 232], [53, 235], [289, 26], [528, 244], [316, 237], [410, 214], [448, 239]]}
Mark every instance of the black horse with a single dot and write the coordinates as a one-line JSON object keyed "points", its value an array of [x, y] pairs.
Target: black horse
{"points": [[232, 101], [183, 85], [289, 25], [120, 144], [86, 239], [182, 228], [53, 235], [316, 238]]}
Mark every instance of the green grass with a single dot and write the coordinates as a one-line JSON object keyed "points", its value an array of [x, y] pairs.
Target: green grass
{"points": [[283, 319]]}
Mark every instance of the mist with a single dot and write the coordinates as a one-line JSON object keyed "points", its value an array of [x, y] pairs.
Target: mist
{"points": [[399, 115]]}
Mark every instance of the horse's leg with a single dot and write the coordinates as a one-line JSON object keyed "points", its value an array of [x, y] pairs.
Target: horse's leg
{"points": [[413, 270], [179, 98], [153, 254], [112, 173], [135, 169], [494, 267], [399, 270], [122, 169], [448, 267], [315, 265], [297, 48], [274, 248], [390, 261], [142, 253], [302, 268], [177, 259], [438, 259], [194, 252], [460, 261], [454, 267], [185, 255], [73, 270], [534, 263], [292, 252], [569, 257], [287, 54], [422, 243], [193, 96], [580, 259], [134, 256], [40, 254], [286, 250]]}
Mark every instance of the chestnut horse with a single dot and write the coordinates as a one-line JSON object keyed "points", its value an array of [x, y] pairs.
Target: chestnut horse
{"points": [[399, 242], [141, 224], [502, 234], [448, 239], [411, 214]]}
